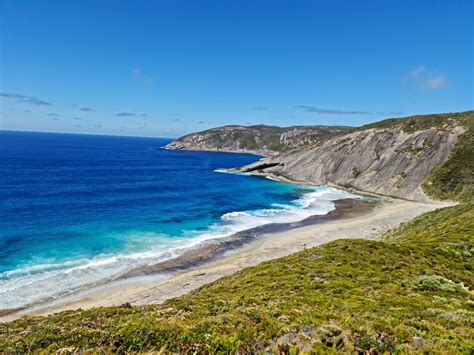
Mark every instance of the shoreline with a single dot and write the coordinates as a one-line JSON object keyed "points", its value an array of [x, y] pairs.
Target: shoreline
{"points": [[350, 189], [214, 249], [171, 279], [205, 252], [261, 154]]}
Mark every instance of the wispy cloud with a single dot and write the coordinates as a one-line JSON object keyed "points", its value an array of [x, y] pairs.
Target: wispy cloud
{"points": [[139, 76], [77, 118], [415, 72], [126, 114], [260, 108], [326, 111], [12, 96], [53, 115], [86, 109], [390, 113], [31, 100], [186, 121], [25, 99], [425, 78], [436, 82]]}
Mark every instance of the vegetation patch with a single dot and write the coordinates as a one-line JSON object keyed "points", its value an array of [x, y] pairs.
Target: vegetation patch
{"points": [[454, 179], [436, 283], [417, 151], [355, 172], [421, 122]]}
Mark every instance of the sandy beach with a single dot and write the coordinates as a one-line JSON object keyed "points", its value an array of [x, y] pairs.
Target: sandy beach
{"points": [[367, 223]]}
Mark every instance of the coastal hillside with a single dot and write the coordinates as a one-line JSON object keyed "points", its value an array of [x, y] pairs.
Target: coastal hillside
{"points": [[392, 157], [260, 139]]}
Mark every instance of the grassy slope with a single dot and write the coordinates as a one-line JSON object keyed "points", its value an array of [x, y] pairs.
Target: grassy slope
{"points": [[455, 178], [421, 122], [404, 293]]}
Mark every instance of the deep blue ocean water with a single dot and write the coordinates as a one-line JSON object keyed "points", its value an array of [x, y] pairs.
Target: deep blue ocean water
{"points": [[78, 209]]}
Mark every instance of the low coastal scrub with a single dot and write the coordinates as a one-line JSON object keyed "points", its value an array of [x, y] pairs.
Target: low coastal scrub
{"points": [[422, 122], [454, 179], [410, 291], [436, 283]]}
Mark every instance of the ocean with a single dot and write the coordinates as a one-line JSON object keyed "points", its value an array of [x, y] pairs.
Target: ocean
{"points": [[81, 210]]}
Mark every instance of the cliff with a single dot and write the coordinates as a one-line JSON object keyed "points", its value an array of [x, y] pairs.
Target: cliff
{"points": [[260, 139], [392, 157]]}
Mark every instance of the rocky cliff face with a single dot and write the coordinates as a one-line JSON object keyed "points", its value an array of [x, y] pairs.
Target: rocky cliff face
{"points": [[387, 161], [392, 157], [261, 139]]}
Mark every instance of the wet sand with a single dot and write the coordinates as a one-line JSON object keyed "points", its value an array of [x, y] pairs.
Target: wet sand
{"points": [[195, 268]]}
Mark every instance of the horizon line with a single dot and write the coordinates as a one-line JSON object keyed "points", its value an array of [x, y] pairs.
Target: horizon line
{"points": [[85, 134]]}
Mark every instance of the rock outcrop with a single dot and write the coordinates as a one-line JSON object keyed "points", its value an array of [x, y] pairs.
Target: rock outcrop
{"points": [[385, 161]]}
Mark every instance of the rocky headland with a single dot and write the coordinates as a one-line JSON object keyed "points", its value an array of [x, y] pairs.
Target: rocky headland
{"points": [[259, 139]]}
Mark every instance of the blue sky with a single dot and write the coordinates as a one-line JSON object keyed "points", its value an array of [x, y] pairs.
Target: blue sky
{"points": [[165, 68]]}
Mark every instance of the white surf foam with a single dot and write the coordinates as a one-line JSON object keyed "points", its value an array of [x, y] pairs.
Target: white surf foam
{"points": [[225, 171]]}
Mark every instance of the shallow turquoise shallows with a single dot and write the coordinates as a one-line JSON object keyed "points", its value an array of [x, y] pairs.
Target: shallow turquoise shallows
{"points": [[77, 210]]}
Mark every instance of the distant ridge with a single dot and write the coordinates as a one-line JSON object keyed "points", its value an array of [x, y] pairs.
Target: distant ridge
{"points": [[257, 139]]}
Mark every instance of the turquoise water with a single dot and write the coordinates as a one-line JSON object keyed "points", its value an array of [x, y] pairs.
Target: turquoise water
{"points": [[80, 209]]}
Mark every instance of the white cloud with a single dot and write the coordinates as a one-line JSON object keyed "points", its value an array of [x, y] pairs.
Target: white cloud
{"points": [[436, 82], [424, 78], [331, 111], [418, 70], [139, 76]]}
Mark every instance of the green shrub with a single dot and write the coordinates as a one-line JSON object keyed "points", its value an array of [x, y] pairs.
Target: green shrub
{"points": [[454, 179], [435, 283]]}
